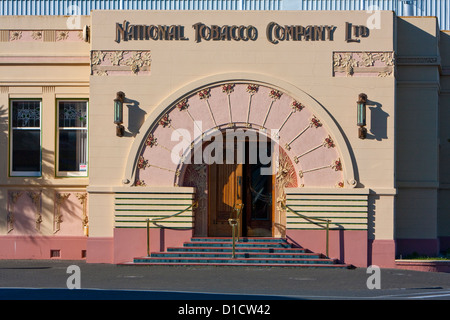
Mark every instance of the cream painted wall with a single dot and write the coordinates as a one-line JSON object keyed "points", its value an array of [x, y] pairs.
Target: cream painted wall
{"points": [[306, 65], [46, 70], [414, 161]]}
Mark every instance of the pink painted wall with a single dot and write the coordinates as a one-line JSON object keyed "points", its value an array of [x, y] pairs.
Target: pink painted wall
{"points": [[39, 247], [100, 250], [382, 253], [132, 243], [348, 246], [24, 216], [424, 266], [71, 215], [163, 165]]}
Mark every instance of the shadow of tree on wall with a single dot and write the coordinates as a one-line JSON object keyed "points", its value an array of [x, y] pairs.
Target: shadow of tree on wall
{"points": [[3, 160], [25, 211], [3, 138]]}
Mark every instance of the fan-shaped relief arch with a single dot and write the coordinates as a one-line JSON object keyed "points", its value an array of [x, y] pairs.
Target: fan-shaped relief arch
{"points": [[296, 124]]}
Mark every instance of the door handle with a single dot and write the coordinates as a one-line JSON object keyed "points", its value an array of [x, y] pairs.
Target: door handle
{"points": [[239, 185]]}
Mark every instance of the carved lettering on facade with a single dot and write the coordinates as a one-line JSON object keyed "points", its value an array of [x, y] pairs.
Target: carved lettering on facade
{"points": [[127, 32], [234, 32], [276, 33]]}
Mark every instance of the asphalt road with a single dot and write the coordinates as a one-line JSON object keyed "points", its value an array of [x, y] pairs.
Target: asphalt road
{"points": [[49, 279]]}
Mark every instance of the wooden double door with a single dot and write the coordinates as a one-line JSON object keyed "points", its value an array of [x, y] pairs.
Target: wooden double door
{"points": [[240, 183]]}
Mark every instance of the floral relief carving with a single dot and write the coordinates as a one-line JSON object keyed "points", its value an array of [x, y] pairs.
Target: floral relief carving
{"points": [[36, 198], [107, 63], [151, 141], [296, 106], [142, 163], [285, 177], [82, 197], [165, 121], [337, 165], [252, 89], [328, 142], [47, 35], [62, 35], [37, 35], [116, 58], [97, 57], [376, 64], [349, 63], [315, 122], [138, 60], [388, 58], [204, 94], [15, 35], [101, 73], [57, 219], [183, 105], [13, 197], [367, 59], [275, 94], [140, 183], [228, 88]]}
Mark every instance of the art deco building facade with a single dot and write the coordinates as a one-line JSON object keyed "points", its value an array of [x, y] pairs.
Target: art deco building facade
{"points": [[110, 119]]}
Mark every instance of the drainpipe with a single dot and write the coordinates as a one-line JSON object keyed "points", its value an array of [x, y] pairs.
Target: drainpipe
{"points": [[408, 8]]}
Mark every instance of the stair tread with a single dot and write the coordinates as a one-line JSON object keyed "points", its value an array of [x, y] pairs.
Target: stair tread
{"points": [[229, 258], [240, 243], [250, 251], [305, 265], [280, 254], [240, 249]]}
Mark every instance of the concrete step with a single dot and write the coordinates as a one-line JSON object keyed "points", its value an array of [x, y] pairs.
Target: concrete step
{"points": [[217, 251]]}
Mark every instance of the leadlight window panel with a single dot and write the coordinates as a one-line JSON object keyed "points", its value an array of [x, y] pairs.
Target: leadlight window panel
{"points": [[72, 138], [72, 114], [25, 143]]}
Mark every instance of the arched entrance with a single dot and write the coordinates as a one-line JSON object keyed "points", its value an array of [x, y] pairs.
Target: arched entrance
{"points": [[238, 166], [307, 151]]}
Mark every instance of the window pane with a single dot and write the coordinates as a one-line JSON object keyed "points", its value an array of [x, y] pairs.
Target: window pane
{"points": [[26, 114], [261, 190], [26, 150], [72, 114], [72, 150]]}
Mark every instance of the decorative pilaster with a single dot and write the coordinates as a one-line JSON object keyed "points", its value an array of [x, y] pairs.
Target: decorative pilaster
{"points": [[285, 177], [60, 199], [13, 197], [36, 199], [82, 197]]}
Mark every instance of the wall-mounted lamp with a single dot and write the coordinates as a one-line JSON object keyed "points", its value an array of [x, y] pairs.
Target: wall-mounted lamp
{"points": [[118, 113], [361, 115]]}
